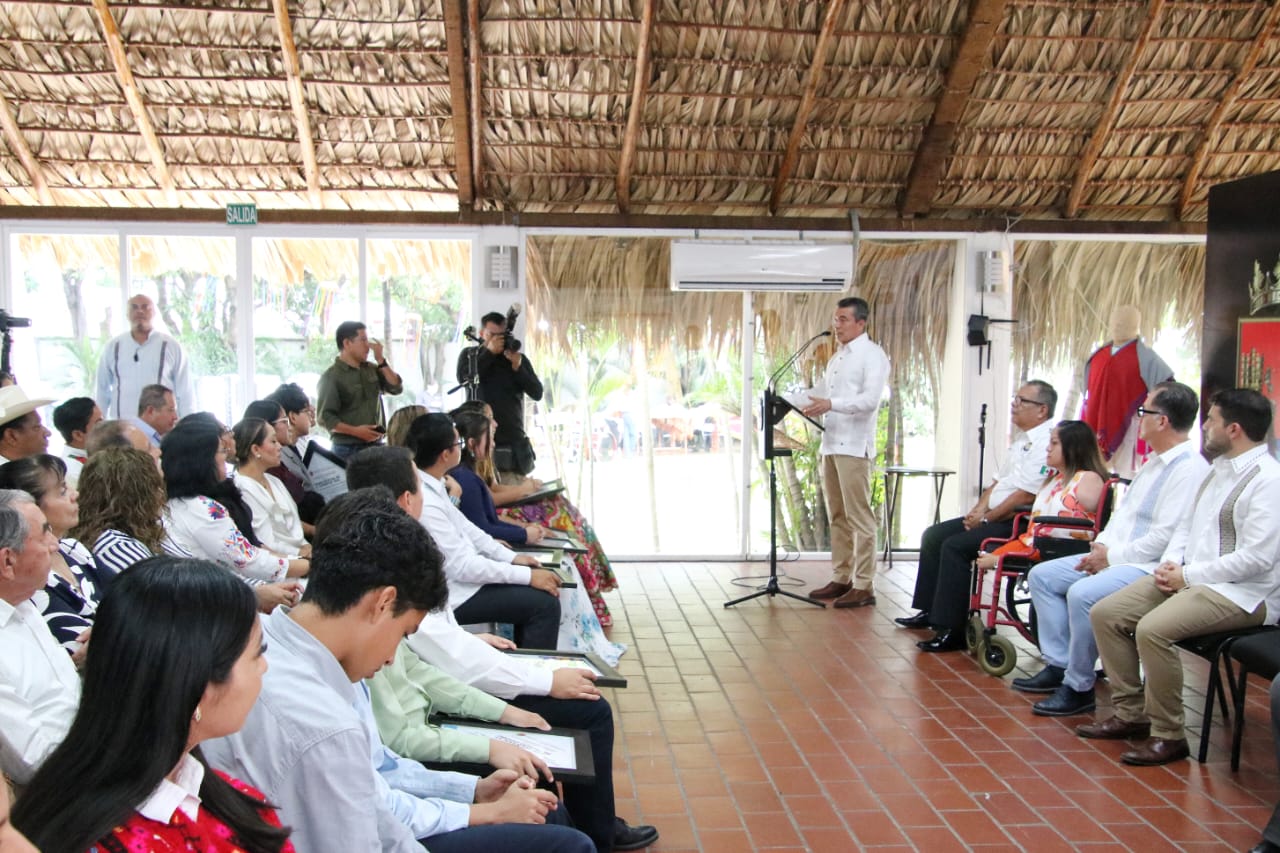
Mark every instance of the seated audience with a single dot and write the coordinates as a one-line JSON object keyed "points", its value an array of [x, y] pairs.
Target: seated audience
{"points": [[401, 420], [551, 513], [565, 698], [293, 437], [311, 740], [205, 515], [157, 412], [1221, 562], [275, 516], [948, 549], [121, 502], [76, 584], [73, 420], [39, 687], [176, 659], [1064, 590], [1072, 489], [119, 434], [22, 433], [488, 582]]}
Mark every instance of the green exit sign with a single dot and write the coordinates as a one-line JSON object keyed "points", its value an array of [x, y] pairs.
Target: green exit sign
{"points": [[242, 214]]}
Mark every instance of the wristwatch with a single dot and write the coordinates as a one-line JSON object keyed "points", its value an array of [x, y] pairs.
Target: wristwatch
{"points": [[382, 364]]}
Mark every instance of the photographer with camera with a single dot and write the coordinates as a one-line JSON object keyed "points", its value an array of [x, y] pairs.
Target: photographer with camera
{"points": [[496, 372]]}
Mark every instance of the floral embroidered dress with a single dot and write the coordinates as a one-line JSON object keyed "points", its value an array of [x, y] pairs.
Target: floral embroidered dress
{"points": [[593, 566], [201, 833], [202, 527], [1056, 498]]}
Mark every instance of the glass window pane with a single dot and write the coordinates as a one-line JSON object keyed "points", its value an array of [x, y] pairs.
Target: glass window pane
{"points": [[302, 289], [418, 292], [192, 280]]}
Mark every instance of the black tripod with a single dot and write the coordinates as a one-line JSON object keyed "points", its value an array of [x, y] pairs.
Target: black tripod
{"points": [[775, 409]]}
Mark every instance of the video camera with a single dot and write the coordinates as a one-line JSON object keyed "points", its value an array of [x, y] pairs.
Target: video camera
{"points": [[509, 341]]}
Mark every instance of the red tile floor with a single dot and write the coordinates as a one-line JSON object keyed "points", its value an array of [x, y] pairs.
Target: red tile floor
{"points": [[774, 725]]}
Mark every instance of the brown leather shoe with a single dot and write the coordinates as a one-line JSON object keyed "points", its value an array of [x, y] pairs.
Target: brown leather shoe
{"points": [[857, 598], [1157, 751], [1114, 728], [831, 590]]}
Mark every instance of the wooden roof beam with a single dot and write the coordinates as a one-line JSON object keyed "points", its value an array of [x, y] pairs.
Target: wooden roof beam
{"points": [[639, 88], [18, 142], [297, 100], [476, 82], [1225, 102], [970, 60], [1115, 101], [812, 79], [455, 38], [115, 46]]}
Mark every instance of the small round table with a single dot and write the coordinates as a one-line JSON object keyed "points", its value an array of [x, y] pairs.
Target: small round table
{"points": [[893, 475]]}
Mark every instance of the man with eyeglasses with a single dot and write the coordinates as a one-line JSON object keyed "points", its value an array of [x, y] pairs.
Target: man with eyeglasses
{"points": [[1218, 573], [1064, 590], [141, 357], [948, 549]]}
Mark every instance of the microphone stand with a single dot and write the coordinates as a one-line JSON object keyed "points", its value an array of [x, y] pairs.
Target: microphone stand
{"points": [[773, 409], [982, 444]]}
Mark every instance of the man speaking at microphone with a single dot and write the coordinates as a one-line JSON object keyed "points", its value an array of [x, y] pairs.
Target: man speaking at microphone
{"points": [[854, 383]]}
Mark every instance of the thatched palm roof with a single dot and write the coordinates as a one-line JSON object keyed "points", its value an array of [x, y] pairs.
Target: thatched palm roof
{"points": [[1097, 110]]}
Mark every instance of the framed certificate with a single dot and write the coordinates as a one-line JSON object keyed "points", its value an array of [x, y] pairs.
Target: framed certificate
{"points": [[606, 676], [566, 751], [549, 488], [328, 472]]}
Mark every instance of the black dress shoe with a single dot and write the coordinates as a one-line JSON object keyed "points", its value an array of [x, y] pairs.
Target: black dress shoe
{"points": [[1046, 680], [947, 640], [1265, 846], [1065, 702], [626, 837], [920, 620]]}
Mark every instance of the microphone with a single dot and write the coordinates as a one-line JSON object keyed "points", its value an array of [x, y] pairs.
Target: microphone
{"points": [[135, 356], [773, 380]]}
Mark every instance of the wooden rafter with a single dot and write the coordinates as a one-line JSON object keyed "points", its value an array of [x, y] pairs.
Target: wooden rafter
{"points": [[1225, 102], [456, 42], [115, 46], [475, 83], [1102, 129], [639, 88], [18, 142], [297, 100], [812, 79], [970, 60]]}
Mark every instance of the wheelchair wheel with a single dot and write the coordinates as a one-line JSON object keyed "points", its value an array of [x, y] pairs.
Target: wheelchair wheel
{"points": [[997, 656], [1017, 600], [973, 631]]}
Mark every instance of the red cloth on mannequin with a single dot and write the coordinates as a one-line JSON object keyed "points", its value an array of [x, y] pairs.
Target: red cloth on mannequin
{"points": [[1116, 390]]}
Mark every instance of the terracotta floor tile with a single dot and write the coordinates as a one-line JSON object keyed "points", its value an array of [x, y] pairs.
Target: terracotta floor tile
{"points": [[715, 813], [976, 827], [717, 841], [873, 828], [767, 830], [756, 796], [811, 811], [910, 810]]}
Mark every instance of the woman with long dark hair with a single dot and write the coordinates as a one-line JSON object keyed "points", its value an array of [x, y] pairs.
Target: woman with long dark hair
{"points": [[206, 516], [76, 582], [176, 659]]}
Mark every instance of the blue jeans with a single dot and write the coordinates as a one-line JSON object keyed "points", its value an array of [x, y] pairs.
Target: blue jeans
{"points": [[1063, 598], [555, 836]]}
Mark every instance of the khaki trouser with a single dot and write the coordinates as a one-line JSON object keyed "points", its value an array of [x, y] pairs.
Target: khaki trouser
{"points": [[1141, 623], [846, 480]]}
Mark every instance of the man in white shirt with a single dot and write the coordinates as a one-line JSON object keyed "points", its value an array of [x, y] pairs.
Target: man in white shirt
{"points": [[854, 382], [947, 550], [141, 357], [1065, 590], [73, 420], [22, 433], [39, 688], [488, 582], [1218, 573]]}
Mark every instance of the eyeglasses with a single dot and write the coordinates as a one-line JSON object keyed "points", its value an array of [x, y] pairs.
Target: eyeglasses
{"points": [[1143, 411], [279, 421], [460, 442], [1025, 401]]}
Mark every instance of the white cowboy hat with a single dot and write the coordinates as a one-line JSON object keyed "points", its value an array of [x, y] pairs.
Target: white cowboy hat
{"points": [[14, 403]]}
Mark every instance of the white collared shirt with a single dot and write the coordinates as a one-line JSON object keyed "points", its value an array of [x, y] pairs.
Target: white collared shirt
{"points": [[1243, 571], [39, 691], [472, 558], [1024, 466], [446, 645], [1143, 523], [126, 367], [180, 794], [854, 381], [276, 522]]}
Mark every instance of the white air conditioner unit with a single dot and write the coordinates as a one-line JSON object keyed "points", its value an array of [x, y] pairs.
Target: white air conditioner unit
{"points": [[707, 265]]}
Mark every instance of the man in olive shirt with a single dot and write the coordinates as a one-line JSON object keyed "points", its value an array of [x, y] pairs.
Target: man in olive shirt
{"points": [[349, 398]]}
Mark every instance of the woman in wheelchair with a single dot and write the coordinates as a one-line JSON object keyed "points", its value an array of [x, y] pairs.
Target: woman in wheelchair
{"points": [[1073, 489]]}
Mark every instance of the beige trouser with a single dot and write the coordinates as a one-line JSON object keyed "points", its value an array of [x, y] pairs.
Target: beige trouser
{"points": [[1141, 623], [846, 480]]}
